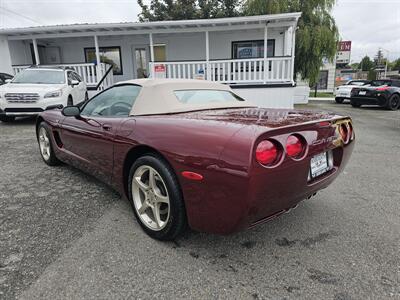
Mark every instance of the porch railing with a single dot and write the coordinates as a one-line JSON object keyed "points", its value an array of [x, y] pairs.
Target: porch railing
{"points": [[88, 72], [259, 70]]}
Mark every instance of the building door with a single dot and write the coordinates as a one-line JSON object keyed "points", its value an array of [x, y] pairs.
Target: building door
{"points": [[141, 56], [140, 62], [322, 83]]}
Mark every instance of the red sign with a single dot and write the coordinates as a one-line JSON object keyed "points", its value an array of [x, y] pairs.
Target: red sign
{"points": [[159, 68], [344, 46]]}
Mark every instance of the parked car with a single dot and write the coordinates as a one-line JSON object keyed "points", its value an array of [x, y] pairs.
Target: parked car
{"points": [[344, 91], [35, 89], [193, 152], [384, 92], [4, 77]]}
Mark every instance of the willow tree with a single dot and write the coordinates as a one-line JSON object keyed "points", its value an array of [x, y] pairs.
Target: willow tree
{"points": [[317, 33], [160, 10]]}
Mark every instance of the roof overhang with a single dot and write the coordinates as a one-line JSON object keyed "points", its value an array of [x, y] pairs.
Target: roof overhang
{"points": [[104, 29]]}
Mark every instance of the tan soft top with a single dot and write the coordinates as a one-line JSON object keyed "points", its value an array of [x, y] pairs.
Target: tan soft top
{"points": [[157, 96]]}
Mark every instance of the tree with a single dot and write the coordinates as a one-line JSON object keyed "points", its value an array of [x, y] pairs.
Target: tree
{"points": [[396, 65], [366, 63], [317, 33], [355, 66], [372, 74], [161, 10], [379, 59]]}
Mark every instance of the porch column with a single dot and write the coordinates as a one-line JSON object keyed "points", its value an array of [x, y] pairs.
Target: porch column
{"points": [[36, 52], [208, 56], [151, 55], [293, 52], [266, 66], [286, 42], [98, 66]]}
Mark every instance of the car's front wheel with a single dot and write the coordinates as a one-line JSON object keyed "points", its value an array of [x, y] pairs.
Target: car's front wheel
{"points": [[46, 146], [7, 119], [339, 100], [393, 102], [156, 198]]}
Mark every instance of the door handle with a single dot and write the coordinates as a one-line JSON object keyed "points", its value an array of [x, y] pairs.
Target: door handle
{"points": [[106, 127]]}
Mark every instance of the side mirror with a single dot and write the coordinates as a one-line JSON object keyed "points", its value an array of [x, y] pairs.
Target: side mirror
{"points": [[74, 82], [71, 111], [7, 80]]}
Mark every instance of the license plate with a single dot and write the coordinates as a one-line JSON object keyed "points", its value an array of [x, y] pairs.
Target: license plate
{"points": [[362, 93], [319, 165]]}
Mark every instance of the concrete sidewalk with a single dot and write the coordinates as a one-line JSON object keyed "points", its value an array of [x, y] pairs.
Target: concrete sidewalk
{"points": [[321, 99]]}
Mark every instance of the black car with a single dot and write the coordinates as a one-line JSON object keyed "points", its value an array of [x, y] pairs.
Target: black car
{"points": [[383, 92], [4, 77]]}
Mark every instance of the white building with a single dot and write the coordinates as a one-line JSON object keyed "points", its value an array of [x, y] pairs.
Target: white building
{"points": [[255, 55]]}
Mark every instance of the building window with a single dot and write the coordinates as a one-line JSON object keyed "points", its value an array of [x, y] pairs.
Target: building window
{"points": [[252, 49], [108, 55]]}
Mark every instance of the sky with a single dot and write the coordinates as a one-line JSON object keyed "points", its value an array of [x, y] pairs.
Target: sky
{"points": [[369, 24]]}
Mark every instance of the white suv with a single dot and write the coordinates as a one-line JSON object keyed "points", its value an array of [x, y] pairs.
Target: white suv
{"points": [[35, 89]]}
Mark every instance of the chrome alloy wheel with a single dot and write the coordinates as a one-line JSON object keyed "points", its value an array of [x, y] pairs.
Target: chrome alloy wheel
{"points": [[150, 197], [44, 143]]}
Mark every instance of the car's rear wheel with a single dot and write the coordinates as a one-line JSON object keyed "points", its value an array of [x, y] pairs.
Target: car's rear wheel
{"points": [[156, 198], [355, 104], [70, 102], [7, 119], [46, 146], [339, 100], [394, 102]]}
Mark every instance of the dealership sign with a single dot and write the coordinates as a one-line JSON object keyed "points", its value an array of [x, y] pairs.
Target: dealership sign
{"points": [[343, 54]]}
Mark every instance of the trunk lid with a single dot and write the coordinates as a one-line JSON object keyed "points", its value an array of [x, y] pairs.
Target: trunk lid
{"points": [[264, 117]]}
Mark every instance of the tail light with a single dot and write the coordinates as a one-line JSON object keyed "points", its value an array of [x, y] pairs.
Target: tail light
{"points": [[344, 133], [382, 88], [351, 131], [295, 146], [267, 153]]}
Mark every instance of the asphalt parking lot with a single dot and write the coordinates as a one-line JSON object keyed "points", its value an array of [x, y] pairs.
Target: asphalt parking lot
{"points": [[66, 235]]}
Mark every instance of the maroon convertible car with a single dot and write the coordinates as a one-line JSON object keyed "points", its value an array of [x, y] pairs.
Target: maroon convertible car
{"points": [[191, 152]]}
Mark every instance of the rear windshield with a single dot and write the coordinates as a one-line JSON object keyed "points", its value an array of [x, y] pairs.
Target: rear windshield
{"points": [[40, 77], [206, 96]]}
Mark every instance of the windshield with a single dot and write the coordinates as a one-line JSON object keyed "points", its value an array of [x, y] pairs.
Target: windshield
{"points": [[381, 82], [40, 77], [206, 96]]}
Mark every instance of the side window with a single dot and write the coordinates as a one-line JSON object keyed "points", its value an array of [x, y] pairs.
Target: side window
{"points": [[2, 79], [76, 76], [70, 77], [114, 102], [396, 83]]}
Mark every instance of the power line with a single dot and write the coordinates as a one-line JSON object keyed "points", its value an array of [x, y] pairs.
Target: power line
{"points": [[20, 15]]}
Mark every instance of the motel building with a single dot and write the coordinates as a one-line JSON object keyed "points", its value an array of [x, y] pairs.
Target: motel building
{"points": [[254, 55]]}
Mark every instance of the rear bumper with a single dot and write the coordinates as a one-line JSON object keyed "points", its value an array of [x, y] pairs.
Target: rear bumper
{"points": [[235, 202], [344, 95]]}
